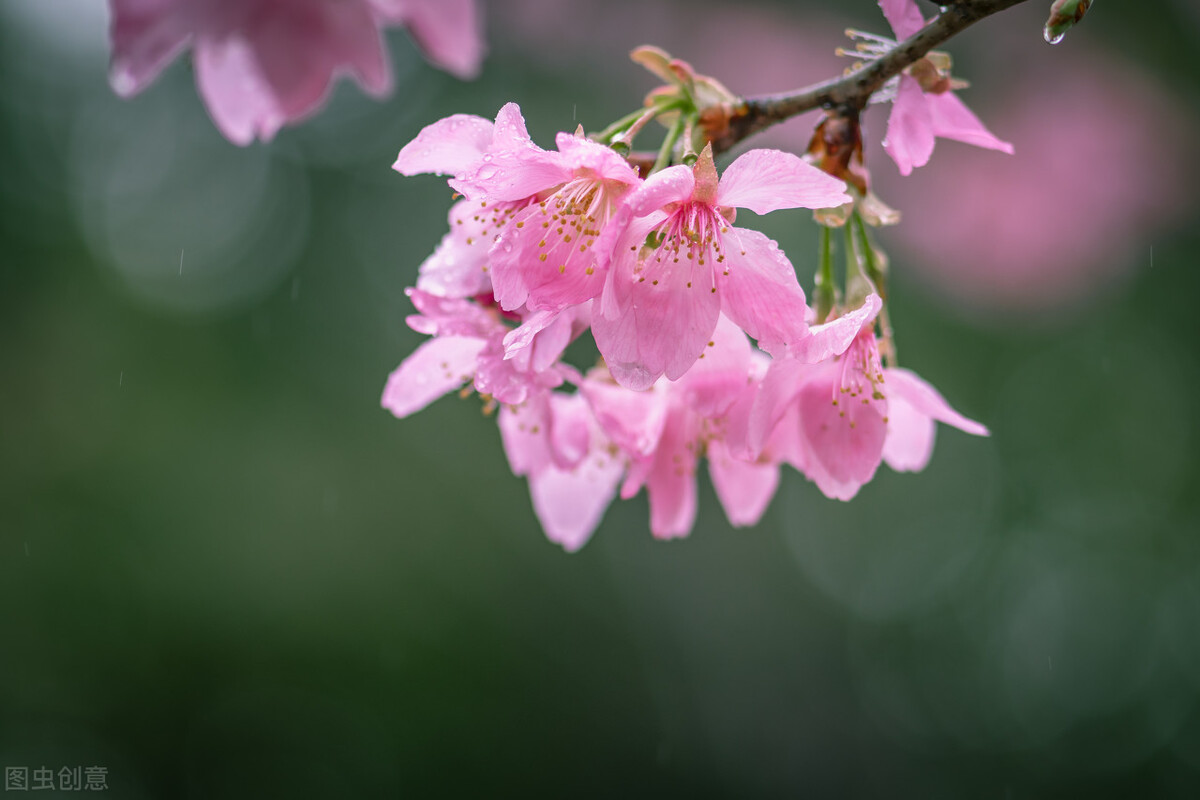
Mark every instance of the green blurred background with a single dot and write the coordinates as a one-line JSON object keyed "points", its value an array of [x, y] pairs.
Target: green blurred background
{"points": [[226, 572]]}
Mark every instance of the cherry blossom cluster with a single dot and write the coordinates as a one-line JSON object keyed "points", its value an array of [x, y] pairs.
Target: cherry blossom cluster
{"points": [[545, 244], [705, 344]]}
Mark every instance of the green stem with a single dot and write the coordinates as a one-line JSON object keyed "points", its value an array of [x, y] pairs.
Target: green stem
{"points": [[618, 126], [824, 281], [878, 277], [668, 145]]}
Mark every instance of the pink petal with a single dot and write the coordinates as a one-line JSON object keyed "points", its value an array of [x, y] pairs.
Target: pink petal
{"points": [[146, 35], [634, 420], [570, 429], [759, 290], [570, 503], [951, 119], [449, 32], [775, 396], [903, 15], [721, 375], [510, 130], [766, 180], [925, 399], [671, 483], [666, 318], [436, 367], [457, 267], [446, 147], [672, 185], [524, 434], [909, 139], [744, 488], [506, 176], [845, 441], [544, 269], [591, 159], [451, 316], [910, 435], [832, 338], [238, 98], [300, 46]]}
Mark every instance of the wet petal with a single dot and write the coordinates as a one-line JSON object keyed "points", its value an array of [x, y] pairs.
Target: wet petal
{"points": [[436, 367], [758, 289], [766, 180], [446, 147]]}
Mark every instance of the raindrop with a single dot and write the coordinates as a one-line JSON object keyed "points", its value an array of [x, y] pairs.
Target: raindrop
{"points": [[1051, 37]]}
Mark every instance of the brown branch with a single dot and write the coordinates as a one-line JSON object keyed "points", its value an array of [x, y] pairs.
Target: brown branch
{"points": [[853, 90]]}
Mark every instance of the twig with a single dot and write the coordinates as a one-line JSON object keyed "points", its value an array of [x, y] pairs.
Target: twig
{"points": [[854, 89]]}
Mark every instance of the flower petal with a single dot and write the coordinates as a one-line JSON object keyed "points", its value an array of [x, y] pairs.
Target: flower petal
{"points": [[951, 119], [570, 503], [672, 185], [545, 268], [237, 96], [832, 338], [722, 373], [775, 396], [909, 139], [758, 289], [844, 438], [146, 35], [766, 180], [634, 420], [457, 267], [448, 32], [667, 311], [925, 399], [671, 483], [446, 147], [436, 367], [910, 435], [903, 15], [744, 488]]}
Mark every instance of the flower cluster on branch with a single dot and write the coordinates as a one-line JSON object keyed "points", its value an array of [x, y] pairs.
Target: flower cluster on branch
{"points": [[705, 345]]}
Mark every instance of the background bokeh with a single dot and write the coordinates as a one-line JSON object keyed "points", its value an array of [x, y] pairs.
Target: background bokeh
{"points": [[226, 572]]}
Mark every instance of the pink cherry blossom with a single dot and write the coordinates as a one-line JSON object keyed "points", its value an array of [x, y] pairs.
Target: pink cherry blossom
{"points": [[261, 64], [925, 106], [573, 469], [555, 252], [849, 413], [681, 263], [467, 345], [666, 430], [459, 145]]}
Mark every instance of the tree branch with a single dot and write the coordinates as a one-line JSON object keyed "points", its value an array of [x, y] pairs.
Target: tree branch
{"points": [[854, 90]]}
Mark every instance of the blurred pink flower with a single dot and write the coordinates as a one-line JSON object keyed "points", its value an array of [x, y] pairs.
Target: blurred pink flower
{"points": [[1104, 165], [261, 64]]}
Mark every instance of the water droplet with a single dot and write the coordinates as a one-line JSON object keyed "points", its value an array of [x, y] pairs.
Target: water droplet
{"points": [[1051, 36]]}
